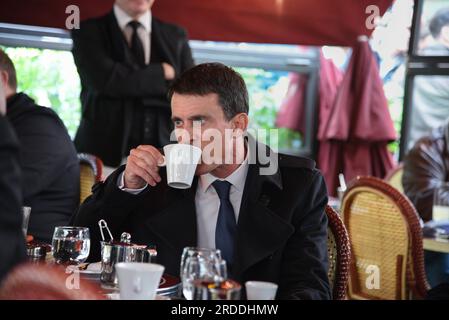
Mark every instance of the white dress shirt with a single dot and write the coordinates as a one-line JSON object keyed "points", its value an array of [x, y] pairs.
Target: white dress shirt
{"points": [[144, 31], [207, 202]]}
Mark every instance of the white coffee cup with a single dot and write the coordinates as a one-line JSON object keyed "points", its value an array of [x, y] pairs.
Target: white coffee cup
{"points": [[260, 290], [181, 161], [138, 280]]}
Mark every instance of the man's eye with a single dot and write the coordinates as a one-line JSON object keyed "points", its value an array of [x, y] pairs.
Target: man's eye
{"points": [[177, 123]]}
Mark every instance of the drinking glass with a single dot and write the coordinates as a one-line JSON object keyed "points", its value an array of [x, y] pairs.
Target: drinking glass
{"points": [[203, 269], [441, 203], [71, 245], [198, 252], [26, 211]]}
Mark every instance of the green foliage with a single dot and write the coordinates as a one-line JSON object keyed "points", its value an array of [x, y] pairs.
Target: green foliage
{"points": [[394, 91], [51, 79], [266, 90]]}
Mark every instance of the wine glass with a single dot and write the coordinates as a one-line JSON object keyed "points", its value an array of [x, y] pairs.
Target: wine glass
{"points": [[198, 252], [26, 211], [204, 269], [71, 245], [440, 209]]}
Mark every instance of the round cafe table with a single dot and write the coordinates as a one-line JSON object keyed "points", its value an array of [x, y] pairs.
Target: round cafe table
{"points": [[170, 286], [436, 245], [434, 241]]}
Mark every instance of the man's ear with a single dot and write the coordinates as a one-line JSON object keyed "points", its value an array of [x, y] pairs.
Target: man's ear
{"points": [[4, 77], [240, 123]]}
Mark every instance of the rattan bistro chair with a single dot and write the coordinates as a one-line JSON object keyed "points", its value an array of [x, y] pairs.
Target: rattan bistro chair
{"points": [[386, 242], [394, 177], [91, 168], [339, 253]]}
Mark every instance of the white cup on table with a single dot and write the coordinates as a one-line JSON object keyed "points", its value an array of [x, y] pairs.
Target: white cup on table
{"points": [[181, 161], [260, 290], [138, 280]]}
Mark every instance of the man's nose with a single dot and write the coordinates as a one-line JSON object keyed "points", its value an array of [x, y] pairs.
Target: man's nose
{"points": [[184, 135]]}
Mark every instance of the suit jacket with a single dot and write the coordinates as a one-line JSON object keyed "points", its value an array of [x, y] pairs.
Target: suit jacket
{"points": [[281, 234], [49, 163], [112, 84], [12, 249]]}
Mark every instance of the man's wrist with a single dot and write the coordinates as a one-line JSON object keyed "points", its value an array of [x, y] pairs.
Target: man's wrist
{"points": [[121, 185]]}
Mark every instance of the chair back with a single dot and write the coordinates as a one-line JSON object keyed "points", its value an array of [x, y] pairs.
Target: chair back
{"points": [[386, 242], [339, 253], [91, 168]]}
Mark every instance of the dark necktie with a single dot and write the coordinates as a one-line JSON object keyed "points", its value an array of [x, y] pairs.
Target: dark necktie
{"points": [[136, 44], [226, 224]]}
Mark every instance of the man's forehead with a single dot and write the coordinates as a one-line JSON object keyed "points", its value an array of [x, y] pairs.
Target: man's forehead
{"points": [[185, 98], [184, 104]]}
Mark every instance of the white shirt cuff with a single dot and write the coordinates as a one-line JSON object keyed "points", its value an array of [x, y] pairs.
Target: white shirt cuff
{"points": [[121, 185]]}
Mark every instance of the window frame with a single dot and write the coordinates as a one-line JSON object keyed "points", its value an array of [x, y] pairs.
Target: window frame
{"points": [[307, 64], [417, 65], [16, 35]]}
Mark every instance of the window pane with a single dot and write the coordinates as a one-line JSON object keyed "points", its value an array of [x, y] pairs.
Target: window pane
{"points": [[434, 29], [51, 79], [430, 105], [267, 92]]}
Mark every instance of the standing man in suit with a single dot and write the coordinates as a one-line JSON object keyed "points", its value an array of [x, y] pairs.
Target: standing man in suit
{"points": [[49, 163], [12, 240], [126, 61], [265, 213]]}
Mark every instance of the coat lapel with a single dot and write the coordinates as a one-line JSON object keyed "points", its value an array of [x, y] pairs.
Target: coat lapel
{"points": [[121, 52], [260, 230], [162, 43], [120, 47]]}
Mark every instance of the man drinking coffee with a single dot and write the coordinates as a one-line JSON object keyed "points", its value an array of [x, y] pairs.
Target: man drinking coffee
{"points": [[263, 210]]}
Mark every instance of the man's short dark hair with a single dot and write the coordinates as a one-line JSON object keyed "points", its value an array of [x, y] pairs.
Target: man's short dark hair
{"points": [[7, 65], [438, 21], [216, 78]]}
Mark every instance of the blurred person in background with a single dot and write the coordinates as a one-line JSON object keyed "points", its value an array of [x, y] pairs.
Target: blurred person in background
{"points": [[49, 163], [426, 168], [12, 248], [126, 61]]}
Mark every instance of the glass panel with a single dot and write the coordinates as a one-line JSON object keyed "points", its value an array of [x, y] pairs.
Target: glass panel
{"points": [[268, 93], [51, 79], [389, 42], [434, 29], [430, 105]]}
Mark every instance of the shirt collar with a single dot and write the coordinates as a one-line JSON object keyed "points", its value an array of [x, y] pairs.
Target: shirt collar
{"points": [[123, 18], [237, 178]]}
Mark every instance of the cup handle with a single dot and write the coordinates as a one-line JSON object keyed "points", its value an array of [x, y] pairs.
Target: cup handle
{"points": [[137, 285]]}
